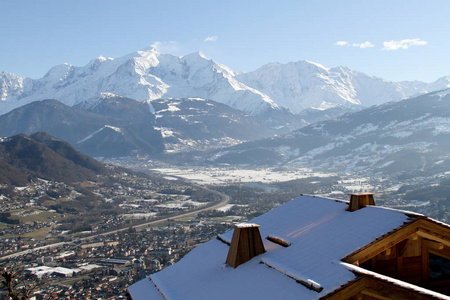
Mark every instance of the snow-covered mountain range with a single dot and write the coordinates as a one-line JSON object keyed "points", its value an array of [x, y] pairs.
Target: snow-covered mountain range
{"points": [[144, 75], [148, 75], [304, 85], [410, 138]]}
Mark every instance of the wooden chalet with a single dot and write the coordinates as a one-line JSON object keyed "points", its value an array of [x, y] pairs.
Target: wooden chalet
{"points": [[315, 248]]}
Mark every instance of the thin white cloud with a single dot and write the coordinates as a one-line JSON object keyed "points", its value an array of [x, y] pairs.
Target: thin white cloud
{"points": [[170, 47], [182, 48], [213, 38], [341, 43], [403, 44], [364, 45]]}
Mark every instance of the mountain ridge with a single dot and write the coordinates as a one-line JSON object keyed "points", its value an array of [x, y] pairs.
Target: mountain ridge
{"points": [[95, 134], [133, 76], [148, 75], [115, 126], [296, 87], [409, 138], [43, 156]]}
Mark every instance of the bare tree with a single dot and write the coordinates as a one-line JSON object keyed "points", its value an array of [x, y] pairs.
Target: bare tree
{"points": [[13, 280]]}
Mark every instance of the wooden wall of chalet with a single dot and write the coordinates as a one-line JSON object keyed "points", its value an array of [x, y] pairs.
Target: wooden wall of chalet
{"points": [[403, 261], [408, 259]]}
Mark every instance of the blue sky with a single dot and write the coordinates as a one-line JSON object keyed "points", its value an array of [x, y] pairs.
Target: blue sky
{"points": [[396, 39]]}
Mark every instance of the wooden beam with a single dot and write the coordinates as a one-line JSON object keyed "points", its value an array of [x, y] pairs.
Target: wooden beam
{"points": [[433, 226], [433, 236], [379, 294], [410, 247], [383, 243], [425, 265], [403, 245], [350, 290], [278, 240], [421, 226], [445, 253], [433, 245]]}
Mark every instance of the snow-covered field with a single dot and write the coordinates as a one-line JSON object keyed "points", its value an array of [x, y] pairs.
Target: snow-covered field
{"points": [[179, 204], [347, 183], [139, 215], [229, 206], [230, 175]]}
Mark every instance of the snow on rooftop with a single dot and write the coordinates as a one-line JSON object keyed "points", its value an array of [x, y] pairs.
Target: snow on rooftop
{"points": [[321, 231], [245, 225], [145, 289], [39, 269], [62, 270], [89, 267]]}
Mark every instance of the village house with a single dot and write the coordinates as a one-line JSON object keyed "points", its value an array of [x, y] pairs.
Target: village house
{"points": [[315, 248]]}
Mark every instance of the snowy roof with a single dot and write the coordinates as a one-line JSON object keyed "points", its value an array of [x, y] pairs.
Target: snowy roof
{"points": [[321, 232], [62, 270], [89, 267], [145, 289], [39, 269]]}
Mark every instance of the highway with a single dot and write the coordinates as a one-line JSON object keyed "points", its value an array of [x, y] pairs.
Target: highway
{"points": [[225, 199]]}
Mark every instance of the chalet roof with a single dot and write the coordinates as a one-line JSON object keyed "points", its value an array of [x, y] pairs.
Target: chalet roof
{"points": [[321, 232], [145, 289]]}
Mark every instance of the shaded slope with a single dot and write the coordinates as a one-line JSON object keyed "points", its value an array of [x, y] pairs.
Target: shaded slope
{"points": [[29, 158], [133, 130]]}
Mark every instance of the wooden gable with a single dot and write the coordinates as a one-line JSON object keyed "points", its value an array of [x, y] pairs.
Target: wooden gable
{"points": [[371, 288], [409, 254]]}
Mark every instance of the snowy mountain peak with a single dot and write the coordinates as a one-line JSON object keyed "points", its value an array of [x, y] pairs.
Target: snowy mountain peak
{"points": [[99, 60], [445, 81], [319, 66], [197, 59], [148, 74], [59, 72], [149, 53], [6, 75], [149, 49], [342, 69], [196, 55], [202, 55], [142, 75], [303, 85]]}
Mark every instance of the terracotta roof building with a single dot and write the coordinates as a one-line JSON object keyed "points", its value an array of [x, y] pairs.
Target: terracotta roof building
{"points": [[315, 248]]}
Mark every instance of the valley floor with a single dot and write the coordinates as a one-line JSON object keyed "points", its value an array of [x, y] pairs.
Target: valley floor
{"points": [[416, 194]]}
